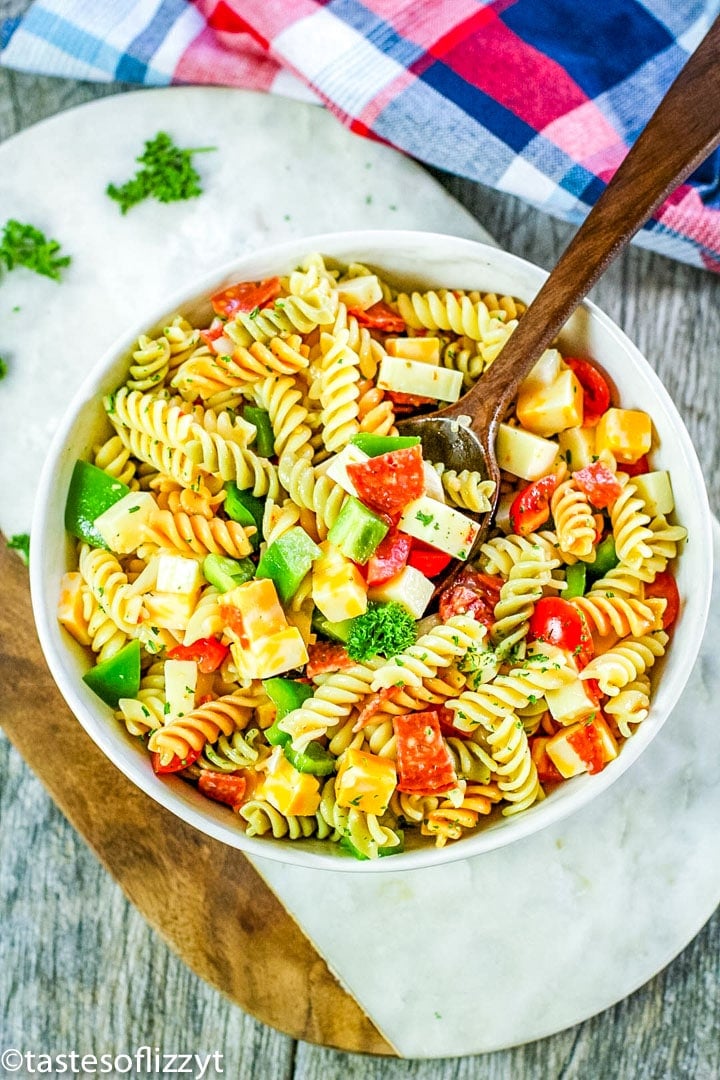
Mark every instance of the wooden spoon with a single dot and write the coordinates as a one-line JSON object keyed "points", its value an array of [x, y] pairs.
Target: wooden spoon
{"points": [[682, 132]]}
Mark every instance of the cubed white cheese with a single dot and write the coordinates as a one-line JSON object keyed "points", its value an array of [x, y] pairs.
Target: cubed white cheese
{"points": [[524, 454], [176, 574], [360, 292], [181, 678], [416, 377], [409, 588], [445, 528], [336, 467], [571, 760], [545, 372], [655, 490], [570, 703], [122, 525], [577, 447]]}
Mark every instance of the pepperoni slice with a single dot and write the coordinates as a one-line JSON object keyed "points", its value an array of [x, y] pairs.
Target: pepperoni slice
{"points": [[228, 788], [390, 557], [599, 484], [245, 296], [471, 593], [380, 317], [424, 764], [387, 483], [326, 656]]}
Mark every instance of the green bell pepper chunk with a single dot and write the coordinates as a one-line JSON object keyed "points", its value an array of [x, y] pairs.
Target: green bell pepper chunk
{"points": [[245, 508], [346, 843], [336, 631], [313, 759], [374, 445], [91, 492], [575, 576], [606, 558], [286, 695], [265, 437], [225, 573], [287, 560], [357, 531], [118, 677]]}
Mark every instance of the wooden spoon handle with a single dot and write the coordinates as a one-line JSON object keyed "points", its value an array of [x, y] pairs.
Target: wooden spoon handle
{"points": [[682, 132]]}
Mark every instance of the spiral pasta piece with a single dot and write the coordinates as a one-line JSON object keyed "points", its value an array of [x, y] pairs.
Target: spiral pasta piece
{"points": [[462, 354], [443, 644], [448, 820], [624, 663], [338, 391], [205, 374], [629, 525], [146, 710], [375, 410], [106, 637], [665, 538], [290, 313], [448, 311], [470, 760], [574, 521], [150, 363], [262, 817], [505, 695], [330, 704], [310, 489], [194, 534], [110, 587], [364, 831], [499, 555], [203, 724], [515, 769], [212, 453], [282, 400], [527, 579], [114, 458], [616, 614], [467, 489], [631, 706], [234, 753]]}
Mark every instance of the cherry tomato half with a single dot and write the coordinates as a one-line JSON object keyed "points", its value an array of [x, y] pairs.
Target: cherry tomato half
{"points": [[596, 392], [531, 507], [665, 587], [175, 764], [245, 296], [636, 468], [380, 317], [559, 623]]}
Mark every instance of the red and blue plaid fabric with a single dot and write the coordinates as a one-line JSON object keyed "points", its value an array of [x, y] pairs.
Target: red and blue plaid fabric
{"points": [[540, 98]]}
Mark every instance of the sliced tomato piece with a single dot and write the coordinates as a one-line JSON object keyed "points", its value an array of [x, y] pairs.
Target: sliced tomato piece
{"points": [[636, 468], [665, 587], [406, 402], [390, 557], [425, 766], [546, 769], [176, 764], [380, 317], [371, 707], [596, 391], [208, 653], [326, 656], [228, 788], [471, 593], [245, 296], [428, 559], [599, 484], [387, 483], [531, 507], [558, 622], [587, 744], [212, 333]]}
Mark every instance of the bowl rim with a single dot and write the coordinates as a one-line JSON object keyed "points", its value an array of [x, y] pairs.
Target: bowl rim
{"points": [[208, 819]]}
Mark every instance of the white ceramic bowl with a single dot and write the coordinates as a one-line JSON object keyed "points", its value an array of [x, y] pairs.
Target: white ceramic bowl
{"points": [[413, 259]]}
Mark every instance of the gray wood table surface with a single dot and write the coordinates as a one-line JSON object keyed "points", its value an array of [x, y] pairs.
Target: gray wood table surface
{"points": [[80, 969]]}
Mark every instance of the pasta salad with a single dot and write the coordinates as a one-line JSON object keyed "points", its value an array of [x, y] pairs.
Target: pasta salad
{"points": [[264, 564]]}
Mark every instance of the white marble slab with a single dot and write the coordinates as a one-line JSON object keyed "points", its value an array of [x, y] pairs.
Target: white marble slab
{"points": [[282, 169], [482, 953]]}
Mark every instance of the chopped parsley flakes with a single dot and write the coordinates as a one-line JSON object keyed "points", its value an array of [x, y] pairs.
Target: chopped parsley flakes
{"points": [[167, 174], [24, 245]]}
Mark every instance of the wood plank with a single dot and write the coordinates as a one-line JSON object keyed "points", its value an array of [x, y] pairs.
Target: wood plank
{"points": [[183, 882]]}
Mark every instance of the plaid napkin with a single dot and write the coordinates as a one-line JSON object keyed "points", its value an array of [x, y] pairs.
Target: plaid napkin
{"points": [[540, 98]]}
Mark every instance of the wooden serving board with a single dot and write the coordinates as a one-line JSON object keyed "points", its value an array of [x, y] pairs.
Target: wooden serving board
{"points": [[181, 880]]}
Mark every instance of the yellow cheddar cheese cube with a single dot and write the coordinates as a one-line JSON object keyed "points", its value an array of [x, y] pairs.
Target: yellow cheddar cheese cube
{"points": [[261, 658], [584, 747], [338, 588], [365, 781], [168, 610], [259, 609], [547, 410], [425, 349], [289, 791], [71, 608], [626, 433]]}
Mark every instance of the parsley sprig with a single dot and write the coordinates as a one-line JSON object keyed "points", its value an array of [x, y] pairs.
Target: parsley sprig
{"points": [[167, 174], [24, 245], [21, 543]]}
